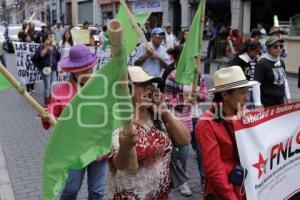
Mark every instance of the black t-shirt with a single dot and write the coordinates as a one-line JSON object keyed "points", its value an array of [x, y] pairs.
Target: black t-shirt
{"points": [[272, 77], [247, 67]]}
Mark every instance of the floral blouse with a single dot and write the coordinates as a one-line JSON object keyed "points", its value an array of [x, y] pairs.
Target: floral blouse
{"points": [[153, 178]]}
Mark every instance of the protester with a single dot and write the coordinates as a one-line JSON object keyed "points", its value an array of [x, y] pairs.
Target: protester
{"points": [[272, 87], [2, 54], [42, 32], [256, 34], [170, 38], [155, 59], [23, 32], [66, 43], [24, 36], [215, 135], [58, 32], [103, 35], [235, 42], [86, 25], [247, 58], [299, 77], [212, 35], [45, 59], [184, 36], [147, 31], [80, 65], [275, 31], [174, 56], [180, 100], [261, 29], [153, 144], [34, 35]]}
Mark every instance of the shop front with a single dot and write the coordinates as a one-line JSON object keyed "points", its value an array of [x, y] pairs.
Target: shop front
{"points": [[154, 6]]}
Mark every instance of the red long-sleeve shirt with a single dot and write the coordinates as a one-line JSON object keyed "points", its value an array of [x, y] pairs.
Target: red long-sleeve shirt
{"points": [[218, 157]]}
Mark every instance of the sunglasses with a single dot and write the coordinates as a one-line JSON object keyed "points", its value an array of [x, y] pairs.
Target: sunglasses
{"points": [[277, 46]]}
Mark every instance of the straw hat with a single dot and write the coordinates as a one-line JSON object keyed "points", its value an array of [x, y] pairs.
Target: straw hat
{"points": [[138, 75], [230, 78]]}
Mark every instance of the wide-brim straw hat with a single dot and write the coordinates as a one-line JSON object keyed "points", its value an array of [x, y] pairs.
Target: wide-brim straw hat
{"points": [[138, 75], [230, 78], [80, 58]]}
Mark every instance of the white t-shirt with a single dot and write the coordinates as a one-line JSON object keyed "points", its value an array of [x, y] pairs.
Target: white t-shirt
{"points": [[170, 41]]}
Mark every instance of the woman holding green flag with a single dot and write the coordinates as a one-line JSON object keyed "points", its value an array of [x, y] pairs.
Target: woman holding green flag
{"points": [[79, 64], [155, 128]]}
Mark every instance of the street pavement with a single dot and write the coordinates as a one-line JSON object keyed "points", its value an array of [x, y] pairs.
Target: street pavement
{"points": [[24, 140]]}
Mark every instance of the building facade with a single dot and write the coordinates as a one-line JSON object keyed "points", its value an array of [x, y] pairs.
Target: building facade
{"points": [[241, 14]]}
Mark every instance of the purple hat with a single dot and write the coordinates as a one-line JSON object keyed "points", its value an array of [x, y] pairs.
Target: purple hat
{"points": [[80, 57]]}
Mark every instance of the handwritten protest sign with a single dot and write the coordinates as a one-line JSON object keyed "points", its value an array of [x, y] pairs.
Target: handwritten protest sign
{"points": [[26, 71]]}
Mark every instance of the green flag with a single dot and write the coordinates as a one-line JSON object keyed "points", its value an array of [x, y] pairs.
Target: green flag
{"points": [[130, 34], [186, 66], [84, 129], [4, 83]]}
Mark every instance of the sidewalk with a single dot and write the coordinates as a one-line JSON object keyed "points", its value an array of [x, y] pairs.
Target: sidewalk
{"points": [[6, 192]]}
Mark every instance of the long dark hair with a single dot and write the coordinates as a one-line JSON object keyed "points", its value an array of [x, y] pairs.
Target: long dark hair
{"points": [[182, 40], [70, 39], [45, 36], [248, 45], [175, 53]]}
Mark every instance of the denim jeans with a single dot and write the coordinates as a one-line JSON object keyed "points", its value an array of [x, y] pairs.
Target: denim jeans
{"points": [[183, 154], [96, 172], [48, 81], [198, 151]]}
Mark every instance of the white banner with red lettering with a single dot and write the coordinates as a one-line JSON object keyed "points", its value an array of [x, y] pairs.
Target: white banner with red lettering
{"points": [[269, 148]]}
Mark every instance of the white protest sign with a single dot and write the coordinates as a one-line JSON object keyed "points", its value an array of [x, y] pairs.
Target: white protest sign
{"points": [[269, 148], [26, 71]]}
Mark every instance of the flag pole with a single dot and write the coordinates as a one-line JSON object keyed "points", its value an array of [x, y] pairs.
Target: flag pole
{"points": [[115, 30], [198, 59], [22, 91], [135, 25]]}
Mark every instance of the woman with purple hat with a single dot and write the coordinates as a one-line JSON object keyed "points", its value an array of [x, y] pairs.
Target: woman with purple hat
{"points": [[79, 64]]}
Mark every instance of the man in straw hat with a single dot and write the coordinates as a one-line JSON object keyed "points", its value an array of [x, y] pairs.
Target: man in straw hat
{"points": [[79, 64], [215, 135]]}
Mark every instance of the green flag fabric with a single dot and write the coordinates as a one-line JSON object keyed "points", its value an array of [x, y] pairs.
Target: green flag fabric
{"points": [[130, 34], [84, 129], [186, 66], [4, 83]]}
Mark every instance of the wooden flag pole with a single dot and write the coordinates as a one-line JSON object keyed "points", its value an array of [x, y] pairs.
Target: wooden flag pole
{"points": [[198, 59], [115, 33], [23, 92], [136, 26]]}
